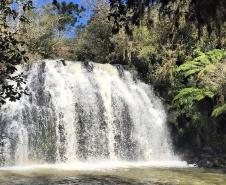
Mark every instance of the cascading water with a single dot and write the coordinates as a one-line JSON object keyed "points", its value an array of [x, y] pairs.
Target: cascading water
{"points": [[83, 113]]}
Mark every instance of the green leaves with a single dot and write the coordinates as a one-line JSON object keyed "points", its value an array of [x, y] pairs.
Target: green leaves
{"points": [[127, 13], [96, 42], [202, 64], [188, 96], [200, 13], [11, 53], [219, 110], [216, 55], [69, 13], [203, 70]]}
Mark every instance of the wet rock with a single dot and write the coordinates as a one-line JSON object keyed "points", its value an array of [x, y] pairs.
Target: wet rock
{"points": [[63, 62], [209, 161], [208, 150], [89, 66]]}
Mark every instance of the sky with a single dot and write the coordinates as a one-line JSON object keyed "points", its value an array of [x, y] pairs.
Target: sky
{"points": [[84, 18], [43, 2]]}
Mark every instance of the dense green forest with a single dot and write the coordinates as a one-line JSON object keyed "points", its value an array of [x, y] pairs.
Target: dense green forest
{"points": [[177, 46]]}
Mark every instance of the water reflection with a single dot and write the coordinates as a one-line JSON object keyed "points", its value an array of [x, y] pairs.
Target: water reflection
{"points": [[82, 180], [126, 176]]}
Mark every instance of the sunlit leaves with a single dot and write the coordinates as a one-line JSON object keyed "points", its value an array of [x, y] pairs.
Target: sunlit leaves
{"points": [[219, 110], [11, 53], [188, 96], [202, 64], [69, 13], [207, 72]]}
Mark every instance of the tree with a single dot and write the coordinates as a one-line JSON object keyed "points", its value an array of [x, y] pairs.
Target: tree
{"points": [[11, 53], [94, 42], [209, 13], [68, 12], [127, 13], [45, 35], [207, 74], [40, 35]]}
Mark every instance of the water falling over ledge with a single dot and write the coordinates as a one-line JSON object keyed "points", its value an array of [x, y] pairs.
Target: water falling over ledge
{"points": [[78, 114]]}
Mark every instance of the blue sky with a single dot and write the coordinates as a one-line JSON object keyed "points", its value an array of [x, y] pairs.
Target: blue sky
{"points": [[82, 20], [43, 2]]}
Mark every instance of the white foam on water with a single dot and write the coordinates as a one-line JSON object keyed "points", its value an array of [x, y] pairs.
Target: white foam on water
{"points": [[98, 166]]}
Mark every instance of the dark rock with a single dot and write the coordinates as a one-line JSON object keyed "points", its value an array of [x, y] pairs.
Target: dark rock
{"points": [[208, 150], [63, 62], [89, 66]]}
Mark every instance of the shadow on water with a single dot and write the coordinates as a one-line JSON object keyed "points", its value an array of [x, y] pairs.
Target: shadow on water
{"points": [[81, 180]]}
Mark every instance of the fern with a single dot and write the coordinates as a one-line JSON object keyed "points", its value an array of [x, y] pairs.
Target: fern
{"points": [[216, 55], [205, 67], [188, 96], [204, 63], [219, 110]]}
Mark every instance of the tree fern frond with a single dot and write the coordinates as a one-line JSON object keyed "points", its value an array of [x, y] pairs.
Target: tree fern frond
{"points": [[191, 72], [188, 96], [216, 55], [219, 110], [202, 64]]}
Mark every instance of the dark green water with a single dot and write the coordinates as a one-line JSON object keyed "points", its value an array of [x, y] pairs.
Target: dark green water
{"points": [[133, 176]]}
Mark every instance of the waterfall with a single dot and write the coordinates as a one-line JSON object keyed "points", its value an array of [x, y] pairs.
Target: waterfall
{"points": [[78, 112]]}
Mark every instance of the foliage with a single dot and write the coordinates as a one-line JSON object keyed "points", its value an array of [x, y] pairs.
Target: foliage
{"points": [[97, 38], [45, 35], [11, 53], [200, 13], [39, 34], [202, 70], [216, 78], [203, 63], [188, 96], [219, 110], [127, 13], [68, 12], [145, 40]]}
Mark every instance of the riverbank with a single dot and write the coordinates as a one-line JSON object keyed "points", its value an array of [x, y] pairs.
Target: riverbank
{"points": [[207, 160]]}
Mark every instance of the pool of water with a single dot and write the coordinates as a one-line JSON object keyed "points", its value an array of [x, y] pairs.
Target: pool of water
{"points": [[127, 175]]}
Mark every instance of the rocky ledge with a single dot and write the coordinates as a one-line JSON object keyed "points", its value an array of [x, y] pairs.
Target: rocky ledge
{"points": [[207, 158]]}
